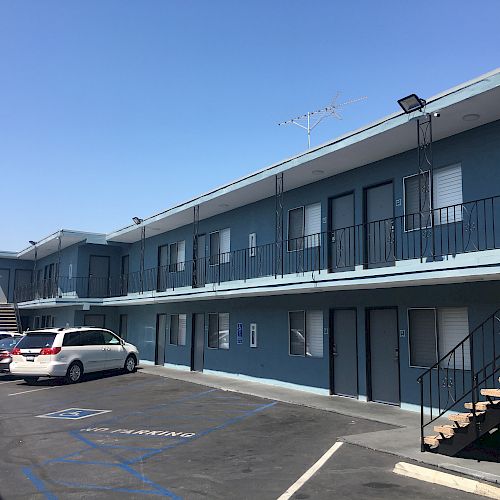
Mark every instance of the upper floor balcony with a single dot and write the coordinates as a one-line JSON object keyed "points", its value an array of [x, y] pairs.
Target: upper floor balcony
{"points": [[431, 237]]}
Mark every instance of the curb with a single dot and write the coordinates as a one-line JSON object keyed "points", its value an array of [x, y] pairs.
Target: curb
{"points": [[445, 479]]}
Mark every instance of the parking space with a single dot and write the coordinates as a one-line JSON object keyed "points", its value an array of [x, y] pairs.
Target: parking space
{"points": [[144, 435]]}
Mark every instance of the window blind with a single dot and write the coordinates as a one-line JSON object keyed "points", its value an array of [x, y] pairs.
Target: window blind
{"points": [[448, 194], [453, 324], [312, 225], [314, 334]]}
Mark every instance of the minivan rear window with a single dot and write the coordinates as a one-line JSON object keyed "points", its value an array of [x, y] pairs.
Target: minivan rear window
{"points": [[36, 340]]}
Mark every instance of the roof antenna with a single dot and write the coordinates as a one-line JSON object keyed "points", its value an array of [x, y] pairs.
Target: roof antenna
{"points": [[312, 119]]}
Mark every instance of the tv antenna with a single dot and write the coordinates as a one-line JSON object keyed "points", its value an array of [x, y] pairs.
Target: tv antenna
{"points": [[312, 119]]}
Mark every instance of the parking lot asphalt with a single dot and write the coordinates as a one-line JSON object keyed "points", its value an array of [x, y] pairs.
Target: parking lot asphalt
{"points": [[161, 437]]}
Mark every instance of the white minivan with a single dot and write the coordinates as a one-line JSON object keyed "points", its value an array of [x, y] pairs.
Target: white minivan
{"points": [[71, 352]]}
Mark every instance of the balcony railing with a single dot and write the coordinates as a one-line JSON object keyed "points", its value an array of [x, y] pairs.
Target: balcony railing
{"points": [[429, 236]]}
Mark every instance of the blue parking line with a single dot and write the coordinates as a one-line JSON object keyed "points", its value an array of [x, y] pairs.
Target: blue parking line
{"points": [[112, 452], [39, 484]]}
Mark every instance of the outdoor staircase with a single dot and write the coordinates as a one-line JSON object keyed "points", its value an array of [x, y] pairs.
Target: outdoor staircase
{"points": [[9, 318], [465, 377], [466, 427]]}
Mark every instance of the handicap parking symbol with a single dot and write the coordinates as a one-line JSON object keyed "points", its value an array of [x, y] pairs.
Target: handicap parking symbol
{"points": [[74, 413]]}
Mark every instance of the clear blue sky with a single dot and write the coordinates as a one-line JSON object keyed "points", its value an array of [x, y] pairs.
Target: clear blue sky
{"points": [[116, 108]]}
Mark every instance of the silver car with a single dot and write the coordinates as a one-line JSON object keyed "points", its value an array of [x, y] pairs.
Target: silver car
{"points": [[7, 344]]}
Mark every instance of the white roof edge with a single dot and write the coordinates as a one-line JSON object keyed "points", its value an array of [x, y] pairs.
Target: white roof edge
{"points": [[8, 255], [349, 138], [79, 235]]}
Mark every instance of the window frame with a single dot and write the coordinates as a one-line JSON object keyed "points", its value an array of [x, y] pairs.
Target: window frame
{"points": [[303, 208], [437, 333], [431, 200], [218, 314], [214, 256], [303, 311], [436, 337], [305, 355], [456, 218], [171, 317], [220, 257]]}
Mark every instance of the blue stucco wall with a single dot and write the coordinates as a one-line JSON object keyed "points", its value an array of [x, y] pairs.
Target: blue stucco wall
{"points": [[271, 359], [477, 150], [12, 265]]}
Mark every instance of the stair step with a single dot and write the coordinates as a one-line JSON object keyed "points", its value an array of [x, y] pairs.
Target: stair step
{"points": [[432, 441], [491, 392], [463, 417], [482, 405], [449, 429]]}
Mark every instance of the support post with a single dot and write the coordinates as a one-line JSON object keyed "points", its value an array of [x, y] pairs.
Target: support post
{"points": [[279, 226], [196, 222], [425, 173], [143, 245], [58, 270]]}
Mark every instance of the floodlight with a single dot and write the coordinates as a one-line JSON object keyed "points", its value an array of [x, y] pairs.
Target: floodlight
{"points": [[411, 103], [137, 220]]}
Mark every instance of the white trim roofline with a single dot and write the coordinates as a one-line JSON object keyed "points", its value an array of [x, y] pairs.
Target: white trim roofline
{"points": [[46, 245], [457, 94]]}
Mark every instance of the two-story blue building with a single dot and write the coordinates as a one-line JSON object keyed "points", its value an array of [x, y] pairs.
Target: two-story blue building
{"points": [[347, 269]]}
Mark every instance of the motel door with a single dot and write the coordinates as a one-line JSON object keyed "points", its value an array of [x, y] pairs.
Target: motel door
{"points": [[342, 235], [98, 276], [4, 285], [344, 357], [198, 342], [379, 227], [384, 355]]}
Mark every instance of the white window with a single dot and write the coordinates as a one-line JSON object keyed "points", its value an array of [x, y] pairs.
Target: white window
{"points": [[453, 327], [177, 256], [433, 333], [304, 227], [448, 197], [178, 329], [314, 334], [306, 333], [218, 330], [252, 245], [220, 246], [253, 334], [312, 225]]}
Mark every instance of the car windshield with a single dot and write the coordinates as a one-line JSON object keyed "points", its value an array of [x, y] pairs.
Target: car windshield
{"points": [[9, 342], [37, 340]]}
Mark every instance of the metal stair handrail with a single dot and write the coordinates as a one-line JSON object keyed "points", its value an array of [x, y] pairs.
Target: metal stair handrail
{"points": [[460, 373]]}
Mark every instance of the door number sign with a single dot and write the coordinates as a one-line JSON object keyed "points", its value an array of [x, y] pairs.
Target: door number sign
{"points": [[74, 413]]}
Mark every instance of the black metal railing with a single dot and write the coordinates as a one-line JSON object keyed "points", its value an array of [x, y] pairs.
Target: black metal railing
{"points": [[428, 236], [460, 374]]}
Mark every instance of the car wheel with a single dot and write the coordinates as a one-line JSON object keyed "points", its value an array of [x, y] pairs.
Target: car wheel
{"points": [[130, 364], [31, 380], [74, 373]]}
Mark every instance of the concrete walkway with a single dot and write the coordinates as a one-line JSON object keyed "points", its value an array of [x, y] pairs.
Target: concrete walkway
{"points": [[404, 441]]}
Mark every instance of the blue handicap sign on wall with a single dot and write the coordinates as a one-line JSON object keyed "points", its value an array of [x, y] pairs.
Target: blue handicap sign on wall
{"points": [[239, 333], [74, 413]]}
